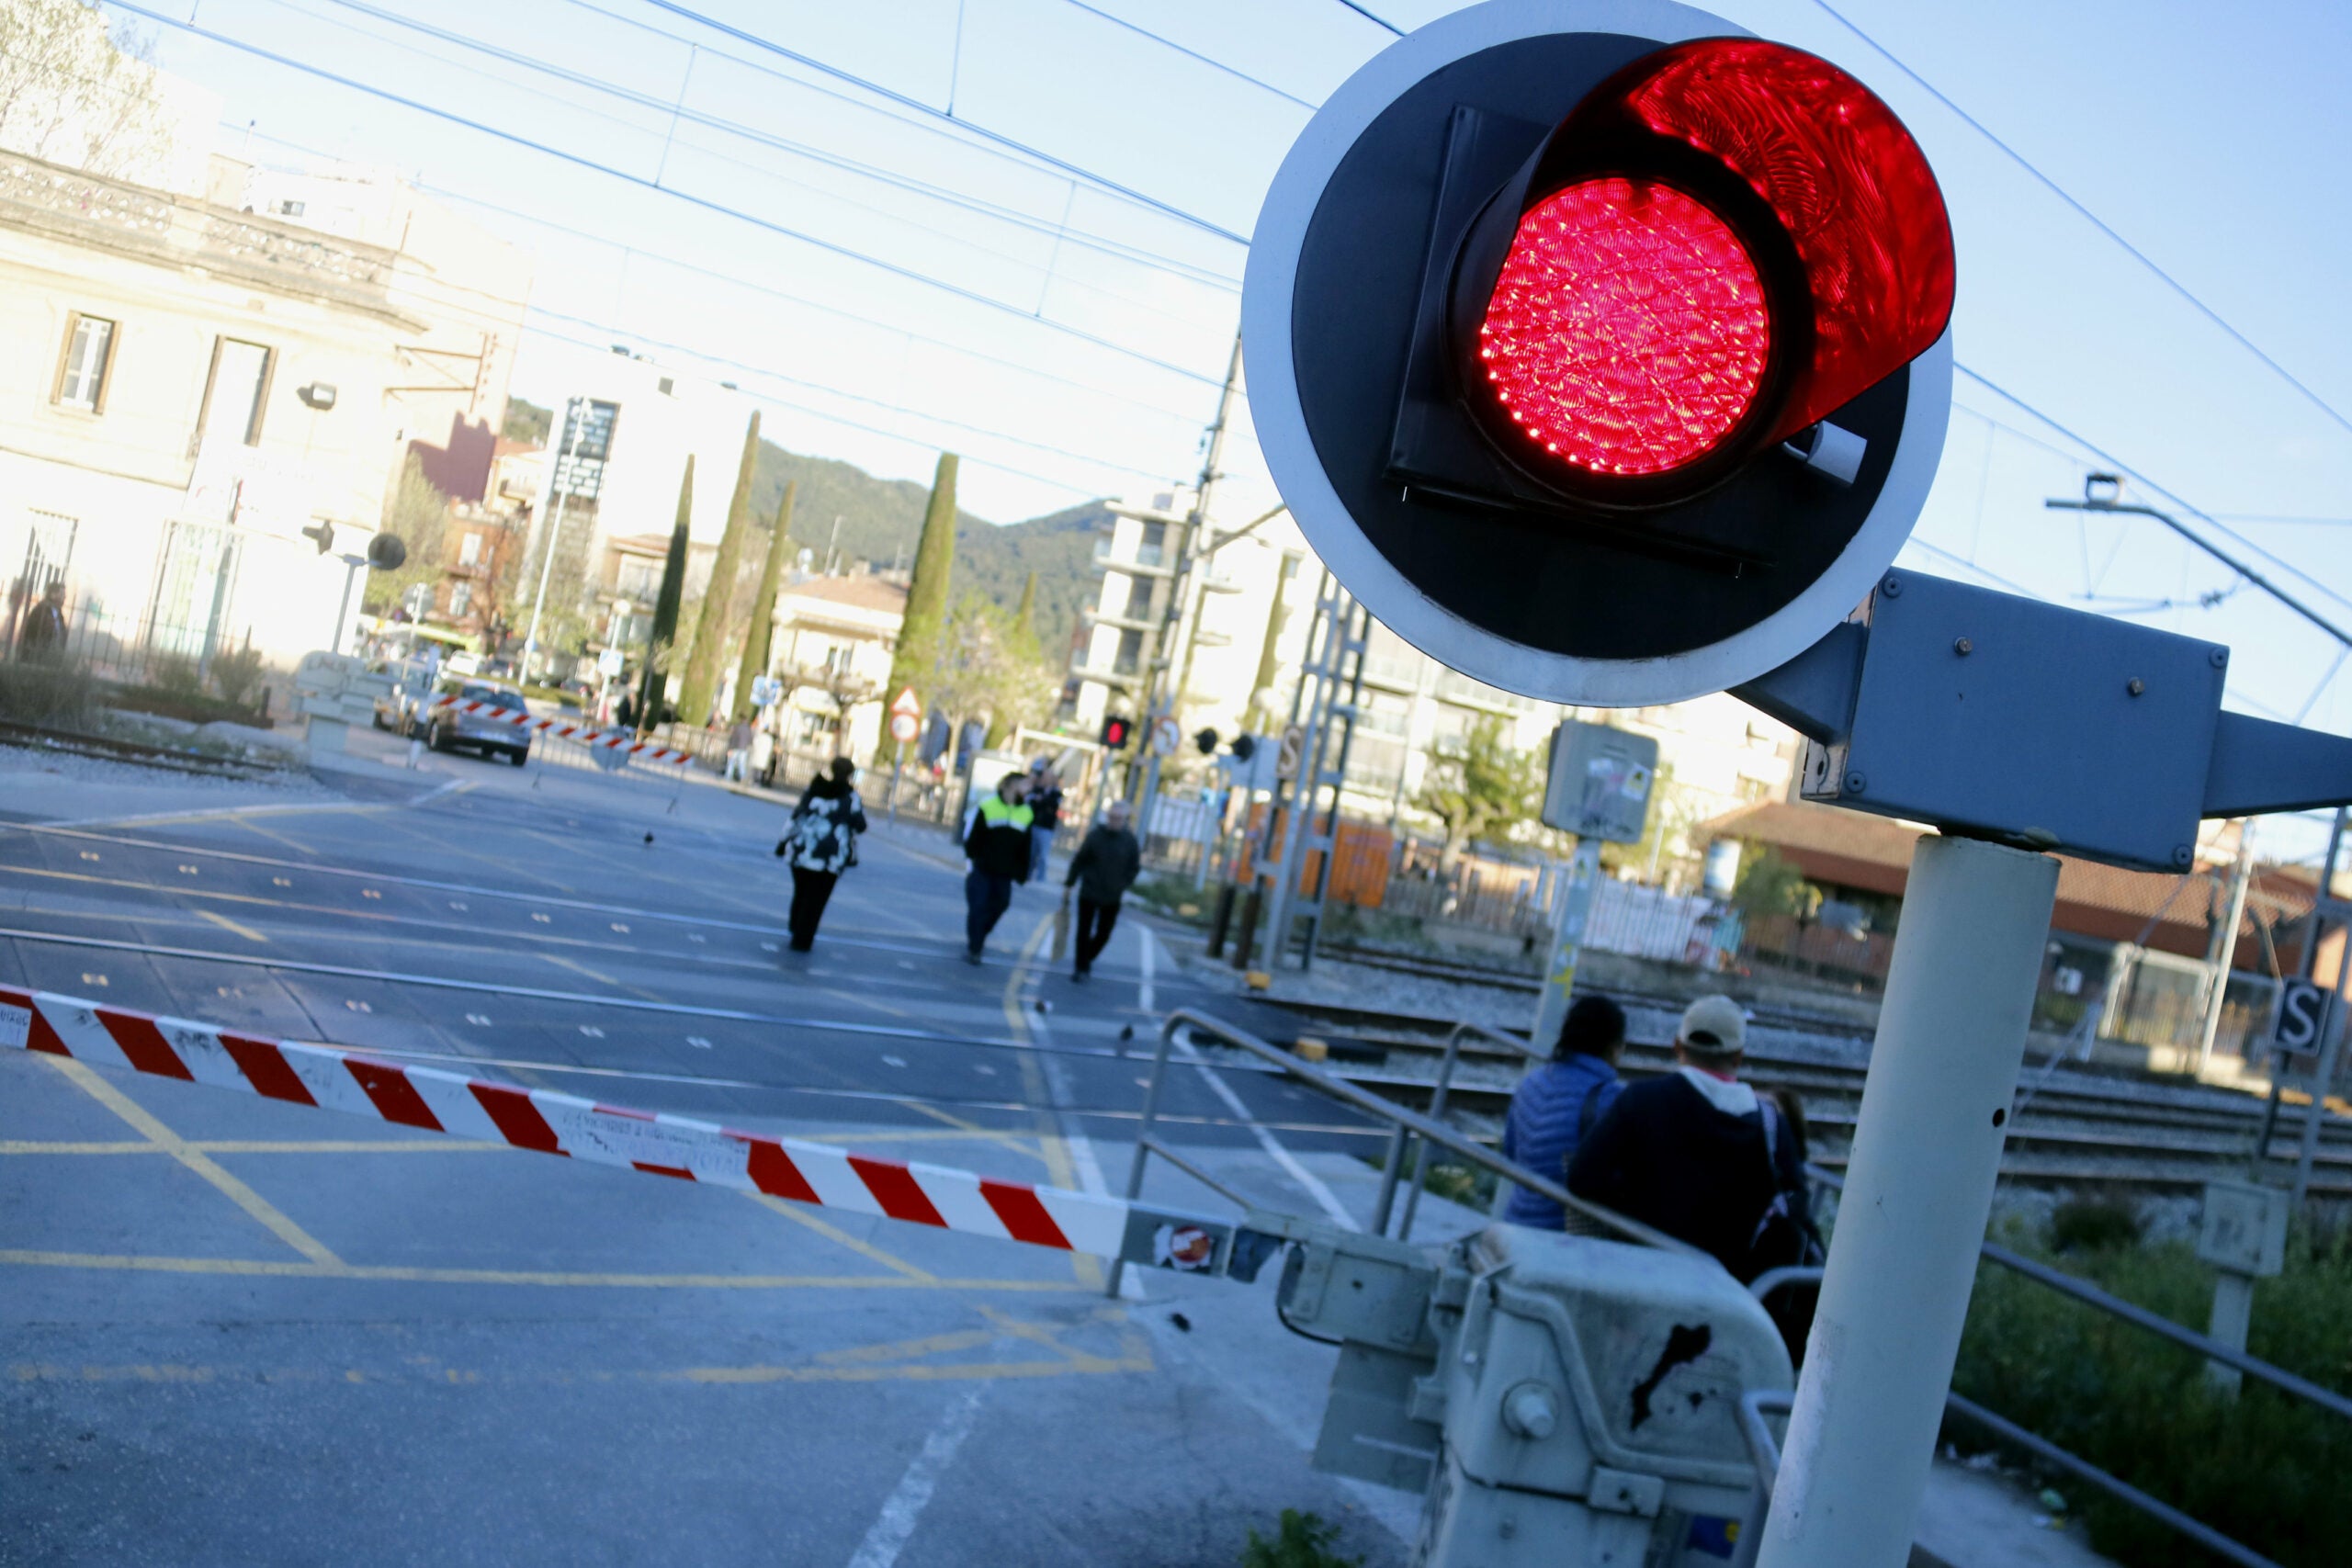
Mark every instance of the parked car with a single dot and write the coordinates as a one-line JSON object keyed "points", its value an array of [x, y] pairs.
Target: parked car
{"points": [[408, 680], [449, 730]]}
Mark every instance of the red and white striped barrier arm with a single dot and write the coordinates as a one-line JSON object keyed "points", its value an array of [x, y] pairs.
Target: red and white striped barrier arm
{"points": [[586, 734], [661, 1145]]}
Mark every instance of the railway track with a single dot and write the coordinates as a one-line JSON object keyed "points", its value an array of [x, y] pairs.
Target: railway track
{"points": [[35, 739], [2075, 1128], [1529, 985]]}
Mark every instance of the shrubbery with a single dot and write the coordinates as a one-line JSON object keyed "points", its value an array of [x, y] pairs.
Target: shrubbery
{"points": [[2267, 1469]]}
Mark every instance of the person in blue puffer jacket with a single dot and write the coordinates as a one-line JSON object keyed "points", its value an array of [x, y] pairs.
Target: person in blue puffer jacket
{"points": [[1555, 1102]]}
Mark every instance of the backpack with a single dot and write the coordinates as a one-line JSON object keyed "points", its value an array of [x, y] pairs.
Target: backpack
{"points": [[1781, 1239]]}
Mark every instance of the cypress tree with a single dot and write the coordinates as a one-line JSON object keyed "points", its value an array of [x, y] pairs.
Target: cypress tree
{"points": [[710, 653], [757, 636], [1026, 618], [926, 615], [665, 607]]}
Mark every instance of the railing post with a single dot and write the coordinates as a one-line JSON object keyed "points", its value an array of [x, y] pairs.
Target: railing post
{"points": [[1143, 1140], [1437, 1114]]}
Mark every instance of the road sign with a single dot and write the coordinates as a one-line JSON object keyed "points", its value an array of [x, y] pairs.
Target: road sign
{"points": [[1602, 350], [2302, 1008], [1286, 755], [905, 703], [765, 691], [904, 727], [1166, 736], [1599, 786], [609, 663]]}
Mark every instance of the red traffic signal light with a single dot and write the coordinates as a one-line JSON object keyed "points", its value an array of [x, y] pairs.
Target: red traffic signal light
{"points": [[1116, 733], [1607, 366]]}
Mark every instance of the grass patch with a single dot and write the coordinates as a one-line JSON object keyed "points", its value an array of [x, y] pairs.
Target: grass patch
{"points": [[2267, 1469], [46, 695], [1301, 1541]]}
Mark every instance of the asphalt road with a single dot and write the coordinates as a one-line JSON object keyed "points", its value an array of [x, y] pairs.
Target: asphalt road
{"points": [[241, 1332]]}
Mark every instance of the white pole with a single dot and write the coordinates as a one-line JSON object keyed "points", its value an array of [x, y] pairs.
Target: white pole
{"points": [[1575, 900], [2221, 951], [1918, 1191], [564, 445]]}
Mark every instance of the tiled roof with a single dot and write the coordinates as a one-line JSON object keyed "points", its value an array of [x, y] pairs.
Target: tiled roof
{"points": [[858, 592]]}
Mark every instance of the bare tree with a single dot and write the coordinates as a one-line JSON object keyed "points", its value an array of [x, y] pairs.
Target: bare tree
{"points": [[73, 91]]}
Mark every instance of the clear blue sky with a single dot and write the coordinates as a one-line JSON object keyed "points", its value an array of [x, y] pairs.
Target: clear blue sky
{"points": [[2211, 142]]}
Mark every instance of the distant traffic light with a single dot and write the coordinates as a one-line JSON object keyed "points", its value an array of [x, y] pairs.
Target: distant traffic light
{"points": [[1244, 748], [1116, 733], [1606, 369], [1205, 741]]}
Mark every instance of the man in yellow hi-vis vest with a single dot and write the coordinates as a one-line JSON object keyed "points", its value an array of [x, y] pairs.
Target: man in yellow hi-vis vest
{"points": [[996, 856]]}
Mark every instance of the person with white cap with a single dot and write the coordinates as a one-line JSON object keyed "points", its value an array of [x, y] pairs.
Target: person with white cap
{"points": [[1697, 1154]]}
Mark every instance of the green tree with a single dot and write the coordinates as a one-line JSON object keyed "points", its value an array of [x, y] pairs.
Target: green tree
{"points": [[761, 629], [526, 422], [665, 637], [1477, 786], [920, 634], [1026, 618], [712, 626], [1769, 885], [418, 515], [990, 669]]}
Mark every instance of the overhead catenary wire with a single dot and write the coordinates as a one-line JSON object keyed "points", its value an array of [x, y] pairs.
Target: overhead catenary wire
{"points": [[2094, 220], [678, 112], [577, 160]]}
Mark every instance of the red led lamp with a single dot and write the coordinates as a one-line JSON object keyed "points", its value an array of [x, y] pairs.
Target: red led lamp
{"points": [[1724, 243]]}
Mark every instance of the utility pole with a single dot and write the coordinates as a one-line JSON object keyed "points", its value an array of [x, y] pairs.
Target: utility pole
{"points": [[571, 408], [2221, 948], [1177, 618]]}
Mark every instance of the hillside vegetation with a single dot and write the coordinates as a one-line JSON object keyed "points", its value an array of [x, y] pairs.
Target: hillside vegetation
{"points": [[880, 520]]}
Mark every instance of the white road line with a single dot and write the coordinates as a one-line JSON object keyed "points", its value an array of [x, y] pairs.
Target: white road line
{"points": [[1306, 1179], [1144, 997], [903, 1507]]}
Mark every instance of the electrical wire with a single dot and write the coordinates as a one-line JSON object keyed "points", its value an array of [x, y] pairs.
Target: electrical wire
{"points": [[1367, 15], [1168, 43], [579, 161], [890, 94], [678, 112], [2093, 218], [852, 397]]}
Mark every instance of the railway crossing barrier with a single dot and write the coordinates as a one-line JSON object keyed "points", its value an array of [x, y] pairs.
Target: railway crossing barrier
{"points": [[619, 742]]}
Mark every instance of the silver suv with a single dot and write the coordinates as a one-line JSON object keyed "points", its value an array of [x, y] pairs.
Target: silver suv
{"points": [[446, 729]]}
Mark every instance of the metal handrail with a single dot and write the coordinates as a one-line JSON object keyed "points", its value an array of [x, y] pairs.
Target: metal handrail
{"points": [[1393, 1166], [2164, 1513], [2090, 1295], [1765, 1451], [1338, 1089], [2083, 1290]]}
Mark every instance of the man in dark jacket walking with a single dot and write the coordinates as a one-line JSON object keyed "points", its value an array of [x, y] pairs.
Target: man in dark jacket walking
{"points": [[1101, 871], [996, 855], [820, 843], [42, 636], [1698, 1155], [1045, 803], [1557, 1102]]}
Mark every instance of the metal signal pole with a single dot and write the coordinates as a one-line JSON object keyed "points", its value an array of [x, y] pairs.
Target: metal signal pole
{"points": [[1177, 619], [571, 408]]}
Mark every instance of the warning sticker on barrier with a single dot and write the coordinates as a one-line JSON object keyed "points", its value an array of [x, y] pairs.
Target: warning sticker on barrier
{"points": [[661, 1145]]}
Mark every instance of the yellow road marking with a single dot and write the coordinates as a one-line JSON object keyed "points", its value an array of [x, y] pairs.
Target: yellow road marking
{"points": [[1059, 1171], [225, 923], [241, 1266], [563, 962], [971, 1130], [41, 1372], [908, 1349], [236, 1191], [840, 1237], [261, 1147], [249, 826], [1040, 1335]]}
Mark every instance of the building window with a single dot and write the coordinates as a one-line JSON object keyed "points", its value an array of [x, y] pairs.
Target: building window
{"points": [[289, 207], [470, 550], [461, 597], [235, 391], [89, 354]]}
